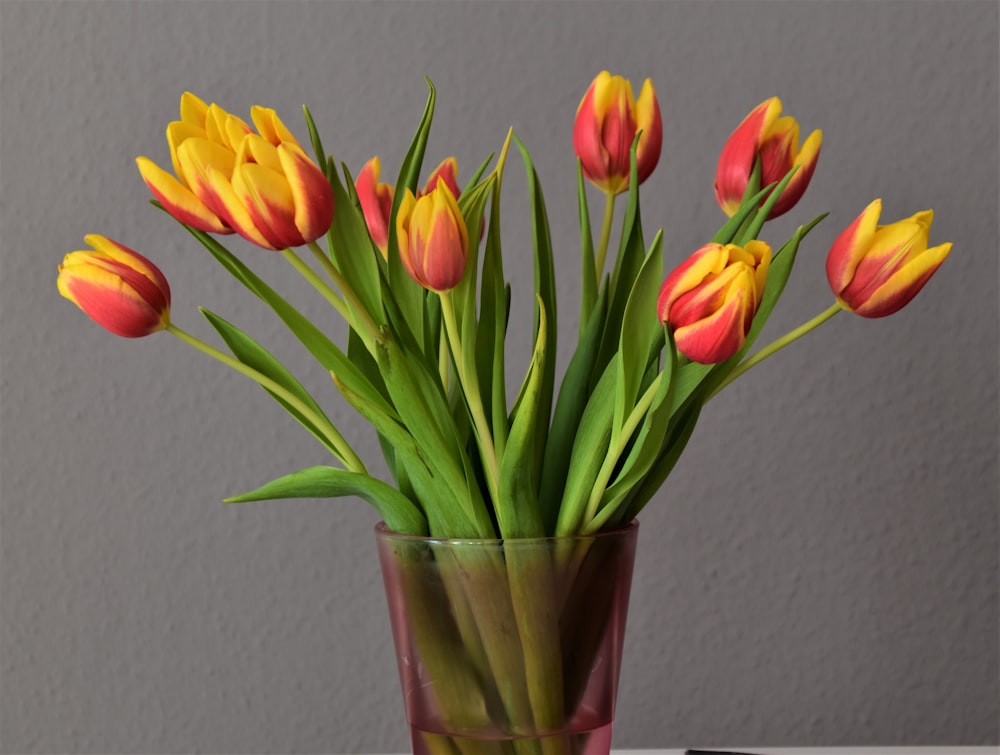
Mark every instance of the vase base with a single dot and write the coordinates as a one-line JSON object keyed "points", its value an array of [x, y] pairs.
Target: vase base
{"points": [[596, 741]]}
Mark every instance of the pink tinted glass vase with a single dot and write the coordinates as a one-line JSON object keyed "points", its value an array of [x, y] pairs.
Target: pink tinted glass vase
{"points": [[509, 647]]}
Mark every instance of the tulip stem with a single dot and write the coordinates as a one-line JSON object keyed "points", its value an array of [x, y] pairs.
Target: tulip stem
{"points": [[593, 518], [306, 272], [778, 344], [322, 425], [602, 244], [368, 330], [470, 388]]}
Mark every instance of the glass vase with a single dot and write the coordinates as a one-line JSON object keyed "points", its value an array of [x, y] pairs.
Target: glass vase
{"points": [[509, 647]]}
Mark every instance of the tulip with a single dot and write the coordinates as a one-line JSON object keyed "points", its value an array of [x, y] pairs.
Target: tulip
{"points": [[875, 270], [433, 239], [116, 287], [376, 197], [710, 300], [607, 120], [775, 140], [228, 178]]}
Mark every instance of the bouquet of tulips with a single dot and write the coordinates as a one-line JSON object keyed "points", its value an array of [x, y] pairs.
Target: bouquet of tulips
{"points": [[427, 305], [418, 275]]}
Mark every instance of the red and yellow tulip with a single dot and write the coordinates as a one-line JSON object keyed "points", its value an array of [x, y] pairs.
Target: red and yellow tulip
{"points": [[607, 120], [116, 287], [773, 138], [710, 300], [375, 197], [875, 270], [228, 178], [433, 239]]}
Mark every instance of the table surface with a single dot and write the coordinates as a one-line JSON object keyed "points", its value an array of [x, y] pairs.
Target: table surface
{"points": [[934, 750]]}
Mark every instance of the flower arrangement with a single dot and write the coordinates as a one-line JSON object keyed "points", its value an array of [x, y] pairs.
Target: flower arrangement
{"points": [[418, 276], [514, 650]]}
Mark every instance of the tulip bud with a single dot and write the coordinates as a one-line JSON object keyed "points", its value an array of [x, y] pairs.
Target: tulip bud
{"points": [[607, 120], [775, 140], [228, 178], [710, 300], [433, 239], [116, 287], [875, 270]]}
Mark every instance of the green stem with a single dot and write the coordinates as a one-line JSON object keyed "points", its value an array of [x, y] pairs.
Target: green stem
{"points": [[602, 245], [592, 522], [318, 283], [779, 344], [470, 387], [354, 313], [340, 446]]}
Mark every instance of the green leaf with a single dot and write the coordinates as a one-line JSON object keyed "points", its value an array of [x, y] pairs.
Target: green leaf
{"points": [[681, 428], [399, 512], [545, 305], [648, 444], [574, 391], [317, 144], [352, 251], [252, 354], [408, 294], [443, 500], [590, 447], [494, 309], [639, 330], [517, 510], [760, 218], [588, 265], [418, 398], [728, 231]]}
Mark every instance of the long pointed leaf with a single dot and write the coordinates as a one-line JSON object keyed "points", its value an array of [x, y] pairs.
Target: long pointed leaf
{"points": [[399, 512]]}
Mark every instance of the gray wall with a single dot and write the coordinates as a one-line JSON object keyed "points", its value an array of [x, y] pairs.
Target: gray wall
{"points": [[822, 567]]}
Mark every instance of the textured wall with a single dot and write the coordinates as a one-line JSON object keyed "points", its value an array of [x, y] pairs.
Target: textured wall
{"points": [[821, 569]]}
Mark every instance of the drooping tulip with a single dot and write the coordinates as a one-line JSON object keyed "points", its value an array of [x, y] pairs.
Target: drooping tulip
{"points": [[875, 270], [116, 287], [710, 300], [228, 178], [764, 133], [607, 120], [433, 239]]}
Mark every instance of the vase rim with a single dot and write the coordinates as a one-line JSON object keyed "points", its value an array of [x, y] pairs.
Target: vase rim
{"points": [[382, 531]]}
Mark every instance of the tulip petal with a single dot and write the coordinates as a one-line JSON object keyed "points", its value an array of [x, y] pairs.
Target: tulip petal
{"points": [[805, 161], [267, 198], [271, 127], [234, 212], [648, 120], [905, 283], [312, 195], [850, 246], [447, 170], [198, 159], [178, 199], [132, 260], [739, 153], [708, 260], [376, 203], [193, 110], [715, 338]]}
